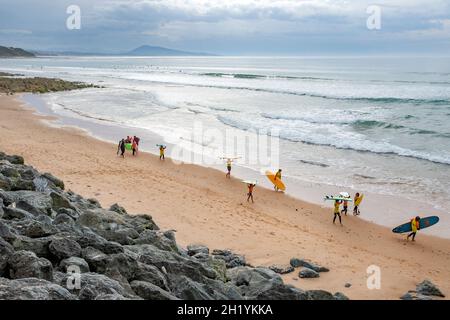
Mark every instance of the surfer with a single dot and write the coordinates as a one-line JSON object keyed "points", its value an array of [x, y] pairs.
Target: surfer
{"points": [[345, 207], [250, 191], [415, 226], [337, 212], [162, 150], [229, 162], [277, 176], [356, 204], [134, 147], [121, 148]]}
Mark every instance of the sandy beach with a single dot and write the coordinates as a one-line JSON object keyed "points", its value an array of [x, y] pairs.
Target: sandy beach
{"points": [[205, 208]]}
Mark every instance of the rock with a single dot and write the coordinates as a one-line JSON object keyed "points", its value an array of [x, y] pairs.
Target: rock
{"points": [[70, 212], [319, 295], [173, 262], [36, 203], [348, 285], [5, 183], [32, 289], [232, 260], [113, 296], [149, 291], [308, 273], [6, 250], [15, 213], [63, 248], [282, 269], [36, 229], [303, 263], [6, 233], [25, 264], [37, 245], [187, 289], [340, 296], [119, 209], [157, 239], [57, 182], [413, 295], [93, 285], [59, 201], [74, 262], [428, 288], [63, 218], [194, 249], [152, 274], [262, 284], [96, 259], [12, 159]]}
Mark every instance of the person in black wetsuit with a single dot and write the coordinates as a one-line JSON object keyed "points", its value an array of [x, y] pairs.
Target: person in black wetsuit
{"points": [[121, 148]]}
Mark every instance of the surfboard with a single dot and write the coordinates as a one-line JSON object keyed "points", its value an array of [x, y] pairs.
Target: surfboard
{"points": [[340, 198], [424, 223], [358, 201], [276, 182], [344, 194], [128, 146], [249, 182]]}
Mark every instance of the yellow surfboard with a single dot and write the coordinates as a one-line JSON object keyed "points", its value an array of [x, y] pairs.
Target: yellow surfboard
{"points": [[276, 182], [358, 201]]}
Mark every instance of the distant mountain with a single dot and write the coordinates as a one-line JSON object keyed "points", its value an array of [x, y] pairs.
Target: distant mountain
{"points": [[6, 52], [142, 51], [161, 51]]}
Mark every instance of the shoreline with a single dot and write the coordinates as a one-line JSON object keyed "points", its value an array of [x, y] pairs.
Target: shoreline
{"points": [[204, 208], [395, 209]]}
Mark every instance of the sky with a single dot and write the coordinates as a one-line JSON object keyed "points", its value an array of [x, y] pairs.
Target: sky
{"points": [[231, 27]]}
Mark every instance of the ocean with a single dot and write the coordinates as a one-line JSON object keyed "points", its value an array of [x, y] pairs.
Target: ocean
{"points": [[376, 125]]}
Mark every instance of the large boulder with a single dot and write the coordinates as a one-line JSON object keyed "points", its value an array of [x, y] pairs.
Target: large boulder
{"points": [[149, 291], [63, 248], [93, 285], [14, 159], [25, 264], [6, 250], [32, 289], [231, 259]]}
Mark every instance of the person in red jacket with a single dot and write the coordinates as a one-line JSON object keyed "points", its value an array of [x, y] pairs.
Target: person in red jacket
{"points": [[415, 226]]}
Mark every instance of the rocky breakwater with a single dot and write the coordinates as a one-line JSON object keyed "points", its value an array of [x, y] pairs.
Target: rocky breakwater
{"points": [[55, 244]]}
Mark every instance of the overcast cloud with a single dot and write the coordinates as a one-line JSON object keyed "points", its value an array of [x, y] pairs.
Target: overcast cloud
{"points": [[230, 26]]}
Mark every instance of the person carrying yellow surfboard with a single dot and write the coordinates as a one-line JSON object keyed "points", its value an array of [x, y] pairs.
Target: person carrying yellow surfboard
{"points": [[337, 211], [277, 177], [415, 226], [162, 150], [357, 201]]}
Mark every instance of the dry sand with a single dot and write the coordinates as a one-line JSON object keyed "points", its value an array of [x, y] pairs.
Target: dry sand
{"points": [[204, 207]]}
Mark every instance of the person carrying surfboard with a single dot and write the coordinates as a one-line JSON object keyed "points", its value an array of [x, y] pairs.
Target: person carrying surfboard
{"points": [[250, 186], [162, 150], [415, 226], [277, 177], [357, 201], [121, 148], [134, 147], [337, 212], [345, 207]]}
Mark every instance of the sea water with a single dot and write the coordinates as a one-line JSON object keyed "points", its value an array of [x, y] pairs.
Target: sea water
{"points": [[372, 124]]}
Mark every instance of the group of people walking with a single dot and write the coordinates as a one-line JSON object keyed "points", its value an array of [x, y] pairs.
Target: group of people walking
{"points": [[130, 143]]}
